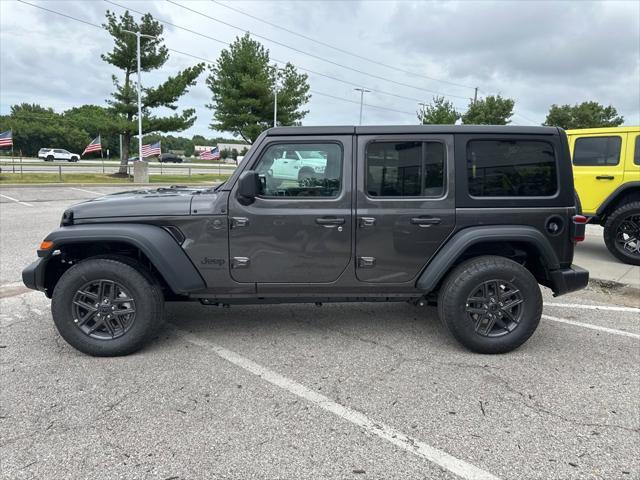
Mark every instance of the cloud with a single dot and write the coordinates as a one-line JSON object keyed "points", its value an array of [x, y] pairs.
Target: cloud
{"points": [[538, 53]]}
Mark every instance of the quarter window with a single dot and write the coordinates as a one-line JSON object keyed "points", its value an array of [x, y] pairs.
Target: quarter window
{"points": [[597, 151], [511, 168], [405, 169], [301, 170], [636, 155]]}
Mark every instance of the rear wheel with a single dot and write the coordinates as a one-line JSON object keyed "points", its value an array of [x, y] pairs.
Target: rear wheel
{"points": [[622, 233], [490, 304], [105, 307]]}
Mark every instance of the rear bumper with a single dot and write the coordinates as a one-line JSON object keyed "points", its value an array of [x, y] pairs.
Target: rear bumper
{"points": [[569, 279], [33, 275]]}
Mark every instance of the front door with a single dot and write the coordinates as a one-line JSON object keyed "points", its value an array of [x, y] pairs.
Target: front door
{"points": [[405, 204], [298, 229]]}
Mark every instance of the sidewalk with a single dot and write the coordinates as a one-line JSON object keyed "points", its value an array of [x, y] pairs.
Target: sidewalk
{"points": [[593, 255]]}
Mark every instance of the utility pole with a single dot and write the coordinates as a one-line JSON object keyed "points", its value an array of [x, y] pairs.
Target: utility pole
{"points": [[275, 99], [423, 105], [475, 95], [362, 92], [138, 36]]}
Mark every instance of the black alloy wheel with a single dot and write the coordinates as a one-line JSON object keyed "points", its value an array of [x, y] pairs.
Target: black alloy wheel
{"points": [[103, 309], [495, 308]]}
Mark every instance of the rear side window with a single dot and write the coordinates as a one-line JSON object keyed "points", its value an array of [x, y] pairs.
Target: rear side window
{"points": [[405, 169], [597, 151], [511, 168], [636, 155]]}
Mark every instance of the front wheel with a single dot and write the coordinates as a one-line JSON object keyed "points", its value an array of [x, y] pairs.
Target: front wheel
{"points": [[490, 304], [106, 308], [622, 233]]}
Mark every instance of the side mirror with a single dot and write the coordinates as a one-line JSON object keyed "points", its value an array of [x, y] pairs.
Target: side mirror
{"points": [[249, 186]]}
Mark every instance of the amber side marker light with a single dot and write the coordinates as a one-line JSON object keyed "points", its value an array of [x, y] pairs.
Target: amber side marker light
{"points": [[46, 245]]}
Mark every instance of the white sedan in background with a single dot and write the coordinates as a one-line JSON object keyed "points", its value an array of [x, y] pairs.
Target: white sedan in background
{"points": [[51, 154]]}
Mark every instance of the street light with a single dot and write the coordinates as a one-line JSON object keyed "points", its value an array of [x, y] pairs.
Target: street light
{"points": [[138, 36], [423, 105], [362, 92], [275, 99]]}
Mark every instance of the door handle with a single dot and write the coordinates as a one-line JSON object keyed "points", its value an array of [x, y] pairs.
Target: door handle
{"points": [[425, 221], [330, 222], [605, 177]]}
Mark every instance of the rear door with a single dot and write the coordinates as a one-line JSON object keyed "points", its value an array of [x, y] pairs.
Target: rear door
{"points": [[298, 230], [598, 167], [405, 204]]}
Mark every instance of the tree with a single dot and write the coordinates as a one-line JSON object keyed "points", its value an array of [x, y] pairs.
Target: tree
{"points": [[583, 115], [242, 83], [438, 112], [153, 55], [36, 127], [96, 120], [492, 110]]}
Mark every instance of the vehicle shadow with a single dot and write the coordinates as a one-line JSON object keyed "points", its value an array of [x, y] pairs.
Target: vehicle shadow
{"points": [[377, 323]]}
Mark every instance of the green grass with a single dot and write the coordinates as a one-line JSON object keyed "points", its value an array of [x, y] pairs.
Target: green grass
{"points": [[35, 178]]}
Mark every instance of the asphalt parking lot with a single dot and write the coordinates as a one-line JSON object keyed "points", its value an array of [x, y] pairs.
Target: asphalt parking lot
{"points": [[356, 391]]}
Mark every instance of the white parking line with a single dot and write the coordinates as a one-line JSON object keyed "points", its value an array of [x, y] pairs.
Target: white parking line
{"points": [[16, 200], [591, 326], [86, 191], [448, 462], [594, 307]]}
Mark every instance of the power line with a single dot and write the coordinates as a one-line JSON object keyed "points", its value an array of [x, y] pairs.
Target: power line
{"points": [[357, 102], [376, 62], [199, 57], [282, 62], [362, 72]]}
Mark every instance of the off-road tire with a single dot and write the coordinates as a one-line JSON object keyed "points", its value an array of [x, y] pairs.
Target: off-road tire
{"points": [[305, 173], [146, 293], [610, 230], [460, 284]]}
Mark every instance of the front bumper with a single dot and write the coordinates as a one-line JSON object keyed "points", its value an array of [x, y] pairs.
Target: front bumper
{"points": [[567, 280], [33, 275]]}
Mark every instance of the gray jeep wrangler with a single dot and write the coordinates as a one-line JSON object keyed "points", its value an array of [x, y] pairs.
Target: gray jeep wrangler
{"points": [[468, 218]]}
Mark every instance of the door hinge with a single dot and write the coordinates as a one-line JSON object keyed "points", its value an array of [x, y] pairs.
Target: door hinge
{"points": [[237, 222], [366, 222], [366, 262], [240, 262]]}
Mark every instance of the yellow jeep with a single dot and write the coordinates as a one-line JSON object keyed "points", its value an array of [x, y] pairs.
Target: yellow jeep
{"points": [[606, 171]]}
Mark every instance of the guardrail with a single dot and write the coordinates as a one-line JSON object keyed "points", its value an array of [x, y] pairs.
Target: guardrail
{"points": [[108, 167]]}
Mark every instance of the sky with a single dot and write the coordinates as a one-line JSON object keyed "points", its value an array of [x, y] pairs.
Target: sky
{"points": [[537, 52]]}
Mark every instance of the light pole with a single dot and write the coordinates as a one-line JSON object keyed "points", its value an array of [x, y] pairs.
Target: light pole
{"points": [[275, 99], [138, 36], [423, 105], [362, 92]]}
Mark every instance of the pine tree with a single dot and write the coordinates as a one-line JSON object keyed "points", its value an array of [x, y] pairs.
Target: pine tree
{"points": [[153, 55]]}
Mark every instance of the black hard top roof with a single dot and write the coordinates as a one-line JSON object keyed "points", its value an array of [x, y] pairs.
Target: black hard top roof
{"points": [[411, 129]]}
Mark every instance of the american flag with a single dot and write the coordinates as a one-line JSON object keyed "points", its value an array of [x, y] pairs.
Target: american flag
{"points": [[150, 150], [6, 140], [94, 146], [213, 154]]}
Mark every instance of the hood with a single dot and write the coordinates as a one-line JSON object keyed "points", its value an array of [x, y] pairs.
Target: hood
{"points": [[165, 201]]}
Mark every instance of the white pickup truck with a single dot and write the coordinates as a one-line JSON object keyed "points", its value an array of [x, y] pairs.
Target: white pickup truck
{"points": [[51, 154], [297, 165]]}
